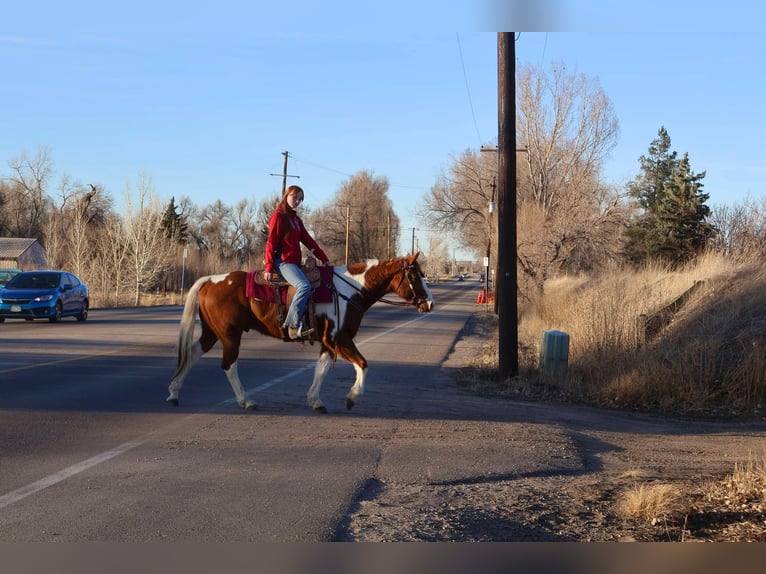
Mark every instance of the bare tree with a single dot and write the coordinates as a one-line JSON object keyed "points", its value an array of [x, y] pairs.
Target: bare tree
{"points": [[458, 204], [360, 220], [568, 126], [567, 219], [740, 230], [110, 272], [437, 257], [148, 249], [27, 198]]}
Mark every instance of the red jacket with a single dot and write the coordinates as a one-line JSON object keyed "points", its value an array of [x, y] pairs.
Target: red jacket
{"points": [[286, 244]]}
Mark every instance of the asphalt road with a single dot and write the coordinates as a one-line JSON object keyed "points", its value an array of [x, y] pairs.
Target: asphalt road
{"points": [[89, 450]]}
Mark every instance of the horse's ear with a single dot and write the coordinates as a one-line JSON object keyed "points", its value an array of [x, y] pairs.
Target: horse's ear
{"points": [[412, 258]]}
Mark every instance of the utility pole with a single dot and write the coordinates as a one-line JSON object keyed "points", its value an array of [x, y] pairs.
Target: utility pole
{"points": [[506, 289], [348, 221], [284, 174], [412, 249]]}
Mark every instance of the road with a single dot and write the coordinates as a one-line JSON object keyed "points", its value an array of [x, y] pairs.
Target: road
{"points": [[89, 451]]}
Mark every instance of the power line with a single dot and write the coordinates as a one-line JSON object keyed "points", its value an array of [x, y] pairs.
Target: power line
{"points": [[323, 167], [320, 166], [467, 89]]}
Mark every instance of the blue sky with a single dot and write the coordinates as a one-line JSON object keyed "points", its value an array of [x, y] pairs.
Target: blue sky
{"points": [[204, 99]]}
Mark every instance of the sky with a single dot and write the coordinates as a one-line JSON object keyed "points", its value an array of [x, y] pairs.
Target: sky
{"points": [[203, 99]]}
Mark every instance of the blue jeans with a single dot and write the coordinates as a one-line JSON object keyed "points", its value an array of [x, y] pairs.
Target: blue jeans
{"points": [[294, 275]]}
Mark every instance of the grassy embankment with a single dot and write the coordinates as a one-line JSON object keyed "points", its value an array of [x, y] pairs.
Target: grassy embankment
{"points": [[688, 342]]}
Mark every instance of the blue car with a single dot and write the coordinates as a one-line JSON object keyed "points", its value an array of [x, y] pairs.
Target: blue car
{"points": [[7, 274], [44, 295]]}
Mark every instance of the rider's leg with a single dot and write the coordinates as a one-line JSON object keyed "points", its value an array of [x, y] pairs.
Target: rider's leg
{"points": [[295, 276]]}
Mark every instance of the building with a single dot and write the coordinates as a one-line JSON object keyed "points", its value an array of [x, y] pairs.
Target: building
{"points": [[21, 253]]}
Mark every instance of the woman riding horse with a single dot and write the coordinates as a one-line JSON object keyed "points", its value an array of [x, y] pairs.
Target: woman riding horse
{"points": [[283, 254]]}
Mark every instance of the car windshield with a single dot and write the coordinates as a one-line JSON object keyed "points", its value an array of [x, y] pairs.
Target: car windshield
{"points": [[34, 281]]}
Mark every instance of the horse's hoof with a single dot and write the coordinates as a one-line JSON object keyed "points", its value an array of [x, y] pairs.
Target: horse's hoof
{"points": [[321, 410], [251, 406], [172, 402], [349, 404]]}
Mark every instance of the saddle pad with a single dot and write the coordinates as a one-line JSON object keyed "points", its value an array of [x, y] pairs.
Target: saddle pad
{"points": [[255, 290], [323, 293]]}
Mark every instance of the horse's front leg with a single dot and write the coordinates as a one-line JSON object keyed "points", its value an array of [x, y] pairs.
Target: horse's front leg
{"points": [[357, 390], [348, 351], [320, 372]]}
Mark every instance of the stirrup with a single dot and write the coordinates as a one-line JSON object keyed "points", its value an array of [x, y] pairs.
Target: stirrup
{"points": [[299, 333]]}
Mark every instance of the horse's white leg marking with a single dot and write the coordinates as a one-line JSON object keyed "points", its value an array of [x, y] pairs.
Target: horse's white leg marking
{"points": [[175, 385], [320, 372], [357, 390], [233, 375]]}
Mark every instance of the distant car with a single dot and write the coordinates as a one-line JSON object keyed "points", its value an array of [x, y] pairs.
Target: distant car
{"points": [[44, 295], [7, 274]]}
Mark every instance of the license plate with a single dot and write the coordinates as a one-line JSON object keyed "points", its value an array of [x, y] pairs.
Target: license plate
{"points": [[15, 308]]}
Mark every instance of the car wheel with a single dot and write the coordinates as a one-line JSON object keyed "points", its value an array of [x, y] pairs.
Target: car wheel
{"points": [[57, 313], [83, 312]]}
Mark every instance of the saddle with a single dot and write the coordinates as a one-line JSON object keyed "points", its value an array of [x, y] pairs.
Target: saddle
{"points": [[280, 292], [309, 268]]}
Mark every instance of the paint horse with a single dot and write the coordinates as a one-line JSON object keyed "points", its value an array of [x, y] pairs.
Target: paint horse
{"points": [[225, 312]]}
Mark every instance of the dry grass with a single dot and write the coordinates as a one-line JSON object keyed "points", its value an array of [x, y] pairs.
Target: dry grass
{"points": [[747, 483], [651, 503], [633, 346], [129, 300], [727, 509]]}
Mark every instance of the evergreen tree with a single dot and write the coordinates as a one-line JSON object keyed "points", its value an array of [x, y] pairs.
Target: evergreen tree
{"points": [[672, 226], [683, 214], [174, 224]]}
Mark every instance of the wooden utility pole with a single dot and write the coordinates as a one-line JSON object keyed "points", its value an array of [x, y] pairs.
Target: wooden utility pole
{"points": [[284, 174], [412, 249], [506, 290], [348, 221]]}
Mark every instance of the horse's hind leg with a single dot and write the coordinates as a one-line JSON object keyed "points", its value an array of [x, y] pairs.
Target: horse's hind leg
{"points": [[178, 379], [229, 365], [198, 348]]}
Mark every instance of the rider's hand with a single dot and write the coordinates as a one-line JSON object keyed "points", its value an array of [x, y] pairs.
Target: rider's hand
{"points": [[267, 275]]}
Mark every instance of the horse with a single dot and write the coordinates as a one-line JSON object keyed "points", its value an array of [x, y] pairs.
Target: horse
{"points": [[225, 313]]}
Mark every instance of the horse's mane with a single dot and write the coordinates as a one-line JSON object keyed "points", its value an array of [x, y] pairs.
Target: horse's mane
{"points": [[361, 267]]}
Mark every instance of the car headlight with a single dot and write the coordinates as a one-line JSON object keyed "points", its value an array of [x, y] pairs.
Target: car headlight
{"points": [[43, 298]]}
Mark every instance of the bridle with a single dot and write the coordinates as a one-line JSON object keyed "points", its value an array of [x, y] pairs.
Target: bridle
{"points": [[407, 271]]}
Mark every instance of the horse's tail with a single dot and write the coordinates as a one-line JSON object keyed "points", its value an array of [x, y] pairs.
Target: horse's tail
{"points": [[186, 332]]}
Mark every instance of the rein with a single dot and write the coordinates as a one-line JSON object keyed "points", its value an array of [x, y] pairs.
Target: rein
{"points": [[382, 299]]}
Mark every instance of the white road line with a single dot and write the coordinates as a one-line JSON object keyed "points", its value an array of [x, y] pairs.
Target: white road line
{"points": [[30, 489]]}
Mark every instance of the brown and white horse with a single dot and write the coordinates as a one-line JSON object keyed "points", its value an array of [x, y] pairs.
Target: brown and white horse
{"points": [[225, 313]]}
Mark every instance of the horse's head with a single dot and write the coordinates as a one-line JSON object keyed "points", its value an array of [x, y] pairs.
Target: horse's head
{"points": [[410, 285]]}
